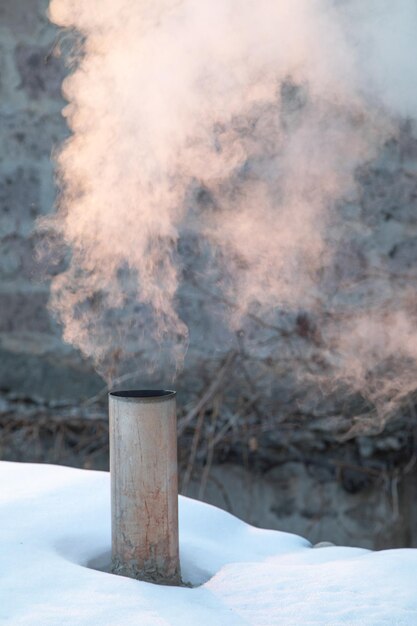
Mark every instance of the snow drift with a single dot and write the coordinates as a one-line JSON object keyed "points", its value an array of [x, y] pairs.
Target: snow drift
{"points": [[55, 529]]}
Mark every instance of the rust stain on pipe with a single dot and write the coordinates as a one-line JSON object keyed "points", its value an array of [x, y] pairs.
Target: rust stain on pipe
{"points": [[144, 485]]}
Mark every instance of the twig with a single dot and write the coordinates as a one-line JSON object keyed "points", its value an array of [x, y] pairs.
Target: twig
{"points": [[223, 492], [209, 394], [193, 452], [210, 452], [106, 388], [234, 417], [395, 497], [248, 378]]}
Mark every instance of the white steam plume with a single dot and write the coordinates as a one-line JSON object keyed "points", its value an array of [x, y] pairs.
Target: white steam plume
{"points": [[267, 107]]}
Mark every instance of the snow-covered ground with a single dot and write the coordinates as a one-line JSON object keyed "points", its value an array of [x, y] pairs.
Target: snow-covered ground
{"points": [[55, 528]]}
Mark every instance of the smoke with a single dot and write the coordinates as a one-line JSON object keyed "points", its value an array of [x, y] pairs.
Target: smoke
{"points": [[241, 125]]}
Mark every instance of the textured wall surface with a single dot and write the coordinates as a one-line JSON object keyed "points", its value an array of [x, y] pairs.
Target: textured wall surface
{"points": [[253, 383], [377, 253], [33, 360]]}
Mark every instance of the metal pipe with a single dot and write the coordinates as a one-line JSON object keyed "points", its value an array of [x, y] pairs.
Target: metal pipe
{"points": [[144, 485]]}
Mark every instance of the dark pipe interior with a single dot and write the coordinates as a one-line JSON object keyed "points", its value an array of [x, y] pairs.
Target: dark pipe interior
{"points": [[143, 393]]}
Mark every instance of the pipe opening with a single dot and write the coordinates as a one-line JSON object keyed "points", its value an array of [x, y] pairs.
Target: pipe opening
{"points": [[144, 394]]}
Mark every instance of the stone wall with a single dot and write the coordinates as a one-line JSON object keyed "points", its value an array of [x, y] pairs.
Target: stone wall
{"points": [[380, 240], [33, 359], [256, 408]]}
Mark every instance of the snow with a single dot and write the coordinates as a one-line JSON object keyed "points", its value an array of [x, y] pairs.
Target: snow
{"points": [[55, 529]]}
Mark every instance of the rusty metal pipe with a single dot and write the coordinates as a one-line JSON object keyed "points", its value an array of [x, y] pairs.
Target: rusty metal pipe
{"points": [[144, 485]]}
